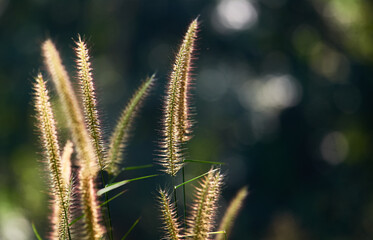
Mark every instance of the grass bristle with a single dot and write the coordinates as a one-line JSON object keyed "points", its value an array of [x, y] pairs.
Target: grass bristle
{"points": [[171, 226], [121, 133], [59, 187], [231, 213], [177, 121], [89, 99], [202, 218]]}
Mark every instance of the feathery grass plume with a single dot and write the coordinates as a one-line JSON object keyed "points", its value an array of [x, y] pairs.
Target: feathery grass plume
{"points": [[85, 150], [176, 122], [81, 139], [90, 207], [231, 213], [121, 134], [182, 73], [59, 188], [201, 220], [89, 98], [168, 214]]}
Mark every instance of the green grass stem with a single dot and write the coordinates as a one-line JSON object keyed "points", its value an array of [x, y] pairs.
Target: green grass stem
{"points": [[131, 228]]}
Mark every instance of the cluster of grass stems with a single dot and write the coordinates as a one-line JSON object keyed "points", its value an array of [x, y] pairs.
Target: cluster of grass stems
{"points": [[79, 209]]}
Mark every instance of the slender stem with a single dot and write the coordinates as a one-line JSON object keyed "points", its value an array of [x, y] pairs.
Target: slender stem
{"points": [[175, 197], [193, 179], [131, 228], [107, 223], [202, 161], [183, 173]]}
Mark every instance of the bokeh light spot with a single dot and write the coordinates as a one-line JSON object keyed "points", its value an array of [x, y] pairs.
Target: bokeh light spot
{"points": [[334, 148], [234, 15]]}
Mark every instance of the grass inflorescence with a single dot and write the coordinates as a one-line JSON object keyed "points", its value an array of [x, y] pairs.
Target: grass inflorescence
{"points": [[89, 216]]}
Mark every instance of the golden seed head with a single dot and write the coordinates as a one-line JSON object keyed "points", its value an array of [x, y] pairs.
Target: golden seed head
{"points": [[171, 226], [177, 121]]}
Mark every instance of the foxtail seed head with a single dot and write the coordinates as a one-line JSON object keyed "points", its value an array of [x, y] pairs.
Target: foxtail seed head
{"points": [[119, 138], [202, 218], [89, 99], [93, 229], [59, 187], [177, 120], [231, 213], [84, 147], [86, 153], [171, 226]]}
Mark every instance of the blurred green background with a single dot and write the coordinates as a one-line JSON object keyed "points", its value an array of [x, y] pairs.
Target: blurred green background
{"points": [[283, 93]]}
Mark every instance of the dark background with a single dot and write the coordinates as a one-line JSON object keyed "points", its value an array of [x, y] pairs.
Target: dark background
{"points": [[283, 93]]}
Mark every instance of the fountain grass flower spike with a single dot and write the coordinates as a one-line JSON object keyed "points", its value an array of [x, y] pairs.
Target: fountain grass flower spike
{"points": [[171, 225], [119, 137], [57, 167], [202, 218], [88, 161], [89, 99], [231, 213], [177, 121]]}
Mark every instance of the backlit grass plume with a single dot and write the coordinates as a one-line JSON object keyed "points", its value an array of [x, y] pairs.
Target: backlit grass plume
{"points": [[81, 139], [177, 121], [168, 214], [122, 130], [66, 161], [89, 99], [59, 185], [202, 218], [231, 213], [86, 154], [94, 155]]}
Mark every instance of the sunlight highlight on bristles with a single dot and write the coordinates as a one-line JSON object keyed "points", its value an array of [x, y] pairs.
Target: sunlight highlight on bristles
{"points": [[182, 72], [90, 208], [177, 121], [231, 213], [121, 133], [89, 99], [171, 227], [202, 218], [86, 154], [66, 161], [59, 187], [84, 147]]}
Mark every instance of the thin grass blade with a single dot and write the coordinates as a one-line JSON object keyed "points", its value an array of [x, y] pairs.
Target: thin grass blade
{"points": [[36, 232], [116, 185], [131, 228]]}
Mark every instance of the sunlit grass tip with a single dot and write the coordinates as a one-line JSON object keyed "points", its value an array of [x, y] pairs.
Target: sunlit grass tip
{"points": [[121, 133], [231, 213], [89, 98], [177, 121], [85, 151], [171, 226], [73, 113], [59, 187], [202, 218]]}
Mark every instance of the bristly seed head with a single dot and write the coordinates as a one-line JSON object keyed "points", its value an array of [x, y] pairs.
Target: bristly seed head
{"points": [[89, 99], [171, 225], [81, 138], [59, 187], [177, 121], [202, 218], [231, 213], [121, 133]]}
